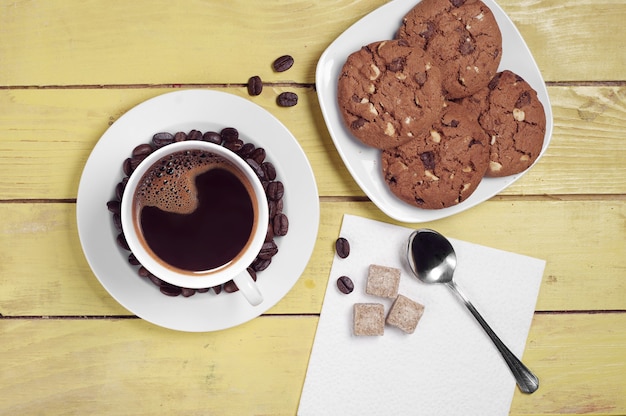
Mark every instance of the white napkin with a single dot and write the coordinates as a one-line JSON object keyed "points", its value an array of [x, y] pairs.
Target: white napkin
{"points": [[448, 366]]}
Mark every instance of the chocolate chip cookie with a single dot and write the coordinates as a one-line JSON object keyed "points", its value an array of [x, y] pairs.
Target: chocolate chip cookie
{"points": [[515, 120], [442, 167], [388, 93], [463, 38]]}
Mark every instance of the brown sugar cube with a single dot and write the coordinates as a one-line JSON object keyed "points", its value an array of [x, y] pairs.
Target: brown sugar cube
{"points": [[383, 281], [369, 319], [405, 314]]}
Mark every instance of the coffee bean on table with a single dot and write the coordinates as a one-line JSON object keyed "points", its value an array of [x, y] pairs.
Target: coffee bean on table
{"points": [[281, 224], [258, 155], [255, 85], [121, 241], [186, 292], [275, 190], [287, 99], [133, 260], [246, 150], [194, 135], [142, 150], [230, 287], [229, 133], [114, 206], [270, 170], [345, 284], [283, 63], [170, 290], [256, 168], [162, 139], [181, 136], [234, 145], [342, 246], [268, 250], [212, 137], [261, 264]]}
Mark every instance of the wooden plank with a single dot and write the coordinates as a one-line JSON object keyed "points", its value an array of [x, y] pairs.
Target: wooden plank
{"points": [[69, 367], [583, 241], [68, 43], [573, 355], [47, 135]]}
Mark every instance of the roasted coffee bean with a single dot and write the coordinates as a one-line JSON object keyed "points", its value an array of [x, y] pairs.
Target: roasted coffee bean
{"points": [[203, 290], [270, 170], [252, 273], [143, 272], [342, 246], [246, 150], [194, 135], [233, 145], [133, 260], [269, 234], [345, 284], [230, 287], [117, 222], [162, 139], [258, 155], [281, 224], [271, 205], [114, 207], [268, 250], [229, 133], [255, 85], [170, 290], [121, 241], [127, 166], [142, 150], [275, 190], [119, 188], [287, 99], [212, 137], [155, 280], [186, 292], [256, 168], [217, 289], [180, 136], [261, 264], [283, 63]]}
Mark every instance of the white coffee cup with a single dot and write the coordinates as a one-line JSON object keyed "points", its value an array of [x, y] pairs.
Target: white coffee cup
{"points": [[235, 268]]}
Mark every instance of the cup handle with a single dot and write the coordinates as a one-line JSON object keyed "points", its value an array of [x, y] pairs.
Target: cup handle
{"points": [[247, 286]]}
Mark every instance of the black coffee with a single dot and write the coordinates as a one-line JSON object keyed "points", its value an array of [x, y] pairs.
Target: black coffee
{"points": [[194, 210]]}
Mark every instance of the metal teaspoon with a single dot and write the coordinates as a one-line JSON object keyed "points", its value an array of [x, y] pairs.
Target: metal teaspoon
{"points": [[433, 260]]}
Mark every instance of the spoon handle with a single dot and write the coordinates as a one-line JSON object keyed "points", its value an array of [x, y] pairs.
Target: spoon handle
{"points": [[526, 380]]}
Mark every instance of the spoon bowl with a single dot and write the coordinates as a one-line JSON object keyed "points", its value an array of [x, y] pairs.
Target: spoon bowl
{"points": [[433, 260]]}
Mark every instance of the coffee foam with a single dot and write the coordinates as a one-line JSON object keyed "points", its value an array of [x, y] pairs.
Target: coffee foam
{"points": [[169, 184]]}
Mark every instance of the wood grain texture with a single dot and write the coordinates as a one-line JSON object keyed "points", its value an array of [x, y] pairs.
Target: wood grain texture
{"points": [[44, 271], [72, 367], [116, 42], [47, 135]]}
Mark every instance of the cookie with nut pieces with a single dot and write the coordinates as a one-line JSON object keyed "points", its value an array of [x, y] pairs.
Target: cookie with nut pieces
{"points": [[462, 36], [441, 167], [388, 93], [515, 121]]}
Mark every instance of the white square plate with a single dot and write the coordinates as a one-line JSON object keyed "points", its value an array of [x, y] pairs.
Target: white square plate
{"points": [[362, 161]]}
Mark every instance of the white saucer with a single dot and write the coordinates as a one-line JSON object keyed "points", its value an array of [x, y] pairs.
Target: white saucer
{"points": [[364, 162], [183, 111]]}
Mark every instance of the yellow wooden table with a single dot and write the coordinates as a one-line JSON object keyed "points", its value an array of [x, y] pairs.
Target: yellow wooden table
{"points": [[68, 69]]}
